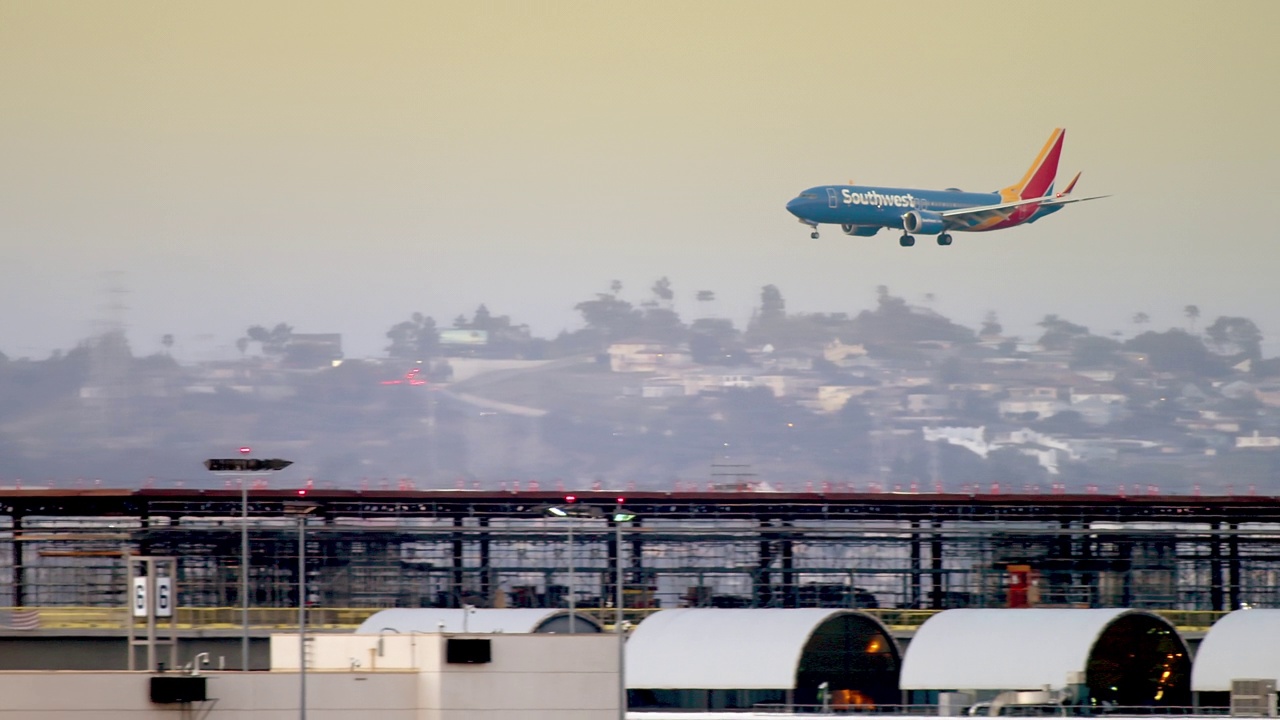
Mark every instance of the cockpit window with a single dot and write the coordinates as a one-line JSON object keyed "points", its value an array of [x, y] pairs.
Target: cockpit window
{"points": [[811, 196]]}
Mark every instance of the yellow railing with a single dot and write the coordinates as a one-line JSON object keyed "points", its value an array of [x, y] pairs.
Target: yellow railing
{"points": [[349, 618]]}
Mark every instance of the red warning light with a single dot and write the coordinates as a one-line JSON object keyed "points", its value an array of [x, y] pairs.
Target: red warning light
{"points": [[570, 498], [245, 450], [303, 491], [622, 501]]}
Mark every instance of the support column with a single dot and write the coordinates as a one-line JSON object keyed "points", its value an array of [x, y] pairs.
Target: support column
{"points": [[609, 582], [19, 571], [914, 581], [764, 579], [486, 570], [935, 568], [1215, 567], [789, 590], [1233, 566], [455, 580], [637, 556], [1126, 562]]}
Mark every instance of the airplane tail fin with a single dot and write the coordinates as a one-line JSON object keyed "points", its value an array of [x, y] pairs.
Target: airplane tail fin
{"points": [[1039, 178], [1070, 186]]}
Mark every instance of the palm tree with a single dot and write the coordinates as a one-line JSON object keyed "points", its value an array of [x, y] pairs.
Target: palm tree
{"points": [[1193, 315]]}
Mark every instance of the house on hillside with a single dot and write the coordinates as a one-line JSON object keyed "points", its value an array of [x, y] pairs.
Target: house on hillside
{"points": [[1257, 441], [831, 398], [787, 385], [644, 356], [840, 354], [1042, 408]]}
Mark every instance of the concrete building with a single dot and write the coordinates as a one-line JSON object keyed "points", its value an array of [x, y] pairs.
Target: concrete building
{"points": [[436, 676]]}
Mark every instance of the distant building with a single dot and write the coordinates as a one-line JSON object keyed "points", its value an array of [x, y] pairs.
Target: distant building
{"points": [[1041, 408], [1257, 441], [840, 354], [313, 350]]}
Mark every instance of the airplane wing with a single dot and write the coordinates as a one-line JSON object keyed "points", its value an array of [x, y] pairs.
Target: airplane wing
{"points": [[1066, 200], [965, 218]]}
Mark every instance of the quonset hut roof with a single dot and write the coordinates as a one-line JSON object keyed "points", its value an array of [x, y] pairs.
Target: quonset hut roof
{"points": [[1242, 645], [738, 649], [1116, 651], [478, 620]]}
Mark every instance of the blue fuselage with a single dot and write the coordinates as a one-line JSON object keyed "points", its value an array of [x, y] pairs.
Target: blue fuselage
{"points": [[867, 206], [863, 210]]}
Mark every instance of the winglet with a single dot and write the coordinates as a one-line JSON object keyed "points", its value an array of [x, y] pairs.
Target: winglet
{"points": [[1039, 177]]}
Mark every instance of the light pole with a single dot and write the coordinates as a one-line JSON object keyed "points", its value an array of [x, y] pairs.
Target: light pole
{"points": [[301, 509], [242, 467], [571, 512], [244, 566], [620, 516]]}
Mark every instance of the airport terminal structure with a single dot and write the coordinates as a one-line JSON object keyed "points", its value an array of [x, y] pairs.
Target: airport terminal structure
{"points": [[895, 550], [915, 603]]}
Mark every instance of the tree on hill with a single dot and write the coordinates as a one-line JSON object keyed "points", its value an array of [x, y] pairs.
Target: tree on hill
{"points": [[991, 326], [414, 339], [1177, 351], [270, 342], [663, 325], [1192, 312], [1060, 334], [662, 292], [1236, 336], [1092, 351], [893, 322], [609, 318], [773, 308]]}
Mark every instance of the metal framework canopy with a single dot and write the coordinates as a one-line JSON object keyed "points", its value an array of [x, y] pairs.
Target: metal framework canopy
{"points": [[476, 620], [737, 658], [1241, 645], [1126, 657]]}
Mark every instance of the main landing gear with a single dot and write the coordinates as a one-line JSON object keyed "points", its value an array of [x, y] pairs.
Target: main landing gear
{"points": [[944, 239], [906, 240], [814, 234]]}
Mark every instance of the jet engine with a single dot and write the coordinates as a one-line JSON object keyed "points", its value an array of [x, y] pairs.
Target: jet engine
{"points": [[860, 230], [923, 222]]}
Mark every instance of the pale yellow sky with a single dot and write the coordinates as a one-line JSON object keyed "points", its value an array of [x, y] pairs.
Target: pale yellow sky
{"points": [[338, 166]]}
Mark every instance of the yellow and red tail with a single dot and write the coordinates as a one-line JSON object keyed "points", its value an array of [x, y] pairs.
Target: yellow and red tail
{"points": [[1038, 181]]}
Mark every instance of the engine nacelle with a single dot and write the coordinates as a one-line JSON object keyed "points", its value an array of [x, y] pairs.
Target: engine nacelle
{"points": [[923, 222], [860, 230]]}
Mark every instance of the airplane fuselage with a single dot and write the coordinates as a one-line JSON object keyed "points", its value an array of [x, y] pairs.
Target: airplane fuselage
{"points": [[880, 207], [865, 209]]}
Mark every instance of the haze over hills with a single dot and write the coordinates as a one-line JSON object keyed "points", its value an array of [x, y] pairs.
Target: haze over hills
{"points": [[898, 397]]}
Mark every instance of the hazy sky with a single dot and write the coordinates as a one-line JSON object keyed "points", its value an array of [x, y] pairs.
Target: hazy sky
{"points": [[338, 166]]}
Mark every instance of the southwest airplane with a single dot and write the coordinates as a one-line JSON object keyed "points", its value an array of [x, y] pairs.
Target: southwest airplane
{"points": [[863, 210]]}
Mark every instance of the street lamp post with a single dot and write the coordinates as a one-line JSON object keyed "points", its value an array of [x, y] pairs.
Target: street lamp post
{"points": [[620, 516], [573, 581], [244, 570], [242, 467], [571, 512], [301, 509]]}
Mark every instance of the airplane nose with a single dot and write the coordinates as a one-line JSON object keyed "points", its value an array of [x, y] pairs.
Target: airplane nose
{"points": [[793, 206]]}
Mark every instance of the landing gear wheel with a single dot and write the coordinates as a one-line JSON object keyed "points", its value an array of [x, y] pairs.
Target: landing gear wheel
{"points": [[814, 234], [906, 240], [944, 239]]}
